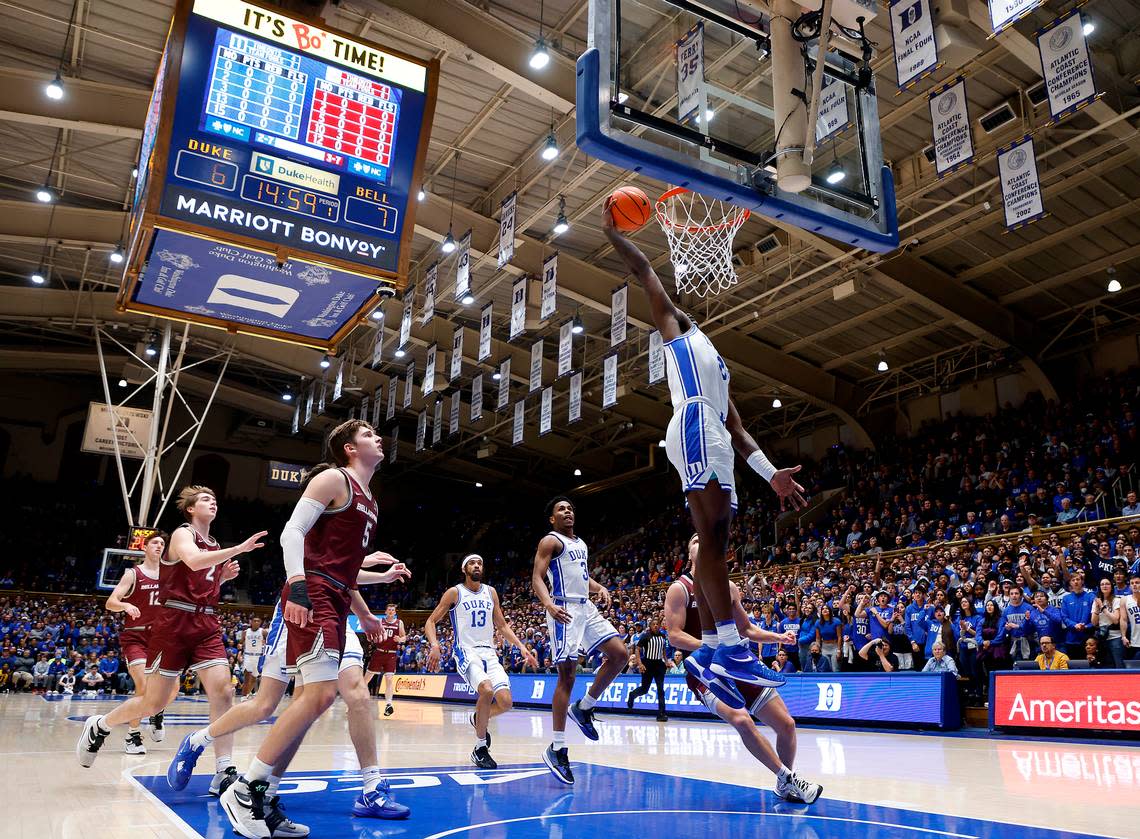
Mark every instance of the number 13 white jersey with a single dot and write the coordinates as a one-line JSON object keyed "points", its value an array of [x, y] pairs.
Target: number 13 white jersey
{"points": [[569, 574], [472, 617]]}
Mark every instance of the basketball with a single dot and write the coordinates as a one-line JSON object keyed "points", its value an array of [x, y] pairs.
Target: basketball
{"points": [[629, 207]]}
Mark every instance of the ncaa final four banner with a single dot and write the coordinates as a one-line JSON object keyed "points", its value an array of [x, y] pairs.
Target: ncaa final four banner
{"points": [[504, 385], [549, 286], [518, 308], [477, 398], [834, 116], [609, 381], [618, 315], [950, 119], [565, 348], [485, 332], [656, 357], [517, 428], [1020, 186], [536, 365], [456, 354], [463, 268], [544, 413], [1066, 66], [575, 412], [429, 294], [912, 35], [507, 230], [1005, 13]]}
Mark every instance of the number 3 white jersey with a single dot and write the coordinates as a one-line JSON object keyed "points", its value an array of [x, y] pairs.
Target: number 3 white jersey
{"points": [[569, 574], [695, 370], [472, 617]]}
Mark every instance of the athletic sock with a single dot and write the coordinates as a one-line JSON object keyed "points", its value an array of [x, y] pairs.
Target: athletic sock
{"points": [[480, 742], [134, 729], [101, 724], [784, 775], [274, 782], [559, 740], [727, 634], [371, 776], [708, 639], [258, 771], [223, 763], [201, 738], [587, 702]]}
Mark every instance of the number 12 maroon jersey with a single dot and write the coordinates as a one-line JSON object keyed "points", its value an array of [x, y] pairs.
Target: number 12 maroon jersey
{"points": [[144, 596], [337, 544]]}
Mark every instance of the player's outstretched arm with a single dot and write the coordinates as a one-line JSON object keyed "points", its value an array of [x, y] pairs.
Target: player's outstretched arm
{"points": [[442, 608], [781, 480], [501, 624], [750, 630], [395, 574], [182, 546], [542, 558], [676, 599], [666, 318]]}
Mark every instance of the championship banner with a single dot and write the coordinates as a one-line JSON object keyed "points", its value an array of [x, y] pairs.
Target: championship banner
{"points": [[406, 319], [428, 385], [691, 75], [544, 413], [517, 428], [456, 354], [437, 421], [395, 444], [338, 381], [575, 397], [549, 286], [656, 357], [393, 386], [507, 229], [453, 421], [834, 115], [912, 35], [504, 385], [421, 430], [485, 332], [477, 398], [352, 412], [309, 402], [409, 379], [518, 308], [950, 119], [284, 475], [323, 394], [296, 419], [609, 384], [377, 397], [1066, 66], [617, 315], [364, 408], [1020, 186], [429, 294], [565, 348], [536, 365], [378, 344], [1005, 13], [463, 268]]}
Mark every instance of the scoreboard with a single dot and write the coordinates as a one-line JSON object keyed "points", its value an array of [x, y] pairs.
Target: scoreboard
{"points": [[277, 173]]}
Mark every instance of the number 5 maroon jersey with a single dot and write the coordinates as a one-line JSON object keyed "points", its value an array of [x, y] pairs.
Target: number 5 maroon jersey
{"points": [[336, 545]]}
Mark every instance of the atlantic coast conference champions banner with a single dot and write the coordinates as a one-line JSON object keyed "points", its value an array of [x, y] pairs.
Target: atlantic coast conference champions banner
{"points": [[1020, 186], [950, 119], [1066, 66]]}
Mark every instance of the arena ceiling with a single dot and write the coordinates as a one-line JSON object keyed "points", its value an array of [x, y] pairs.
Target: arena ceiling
{"points": [[808, 320]]}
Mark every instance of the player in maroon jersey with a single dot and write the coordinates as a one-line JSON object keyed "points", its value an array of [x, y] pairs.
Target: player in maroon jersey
{"points": [[323, 545], [382, 660], [683, 622], [137, 595], [185, 633]]}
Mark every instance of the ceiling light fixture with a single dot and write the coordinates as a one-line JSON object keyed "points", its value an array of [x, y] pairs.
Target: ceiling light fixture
{"points": [[54, 88], [467, 299], [45, 194], [122, 382], [326, 362], [550, 150], [776, 403], [118, 254], [882, 366], [561, 225], [448, 242], [1113, 283], [421, 195], [1088, 28], [577, 473], [400, 353], [577, 327], [38, 276]]}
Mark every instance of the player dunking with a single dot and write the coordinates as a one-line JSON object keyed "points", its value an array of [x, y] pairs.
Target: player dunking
{"points": [[324, 545], [699, 441], [561, 580], [475, 615], [683, 622], [382, 660], [137, 595], [253, 647], [186, 633]]}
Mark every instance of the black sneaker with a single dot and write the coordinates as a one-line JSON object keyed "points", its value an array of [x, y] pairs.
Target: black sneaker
{"points": [[662, 718], [471, 719], [558, 762], [222, 780], [389, 710], [481, 757], [134, 744], [244, 804], [157, 732], [629, 702], [90, 741]]}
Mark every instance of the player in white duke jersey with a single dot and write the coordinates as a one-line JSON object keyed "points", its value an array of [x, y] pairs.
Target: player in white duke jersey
{"points": [[475, 616], [702, 435], [561, 581], [253, 646]]}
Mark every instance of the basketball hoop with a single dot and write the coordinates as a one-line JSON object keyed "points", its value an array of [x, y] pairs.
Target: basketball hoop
{"points": [[700, 231]]}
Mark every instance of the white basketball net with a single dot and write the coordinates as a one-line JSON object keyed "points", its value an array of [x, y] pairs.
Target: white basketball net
{"points": [[700, 231]]}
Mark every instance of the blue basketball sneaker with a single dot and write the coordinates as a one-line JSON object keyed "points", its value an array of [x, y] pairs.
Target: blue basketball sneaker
{"points": [[584, 718], [697, 666], [379, 804], [738, 663], [182, 767]]}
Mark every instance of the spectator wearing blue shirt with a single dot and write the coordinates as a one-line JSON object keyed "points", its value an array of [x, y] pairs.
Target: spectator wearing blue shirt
{"points": [[830, 629], [918, 616], [770, 623], [808, 634], [783, 662], [1045, 619], [1076, 617], [940, 628], [108, 666], [881, 615], [791, 623], [1015, 627]]}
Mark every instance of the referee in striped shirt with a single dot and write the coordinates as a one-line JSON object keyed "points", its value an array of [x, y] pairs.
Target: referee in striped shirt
{"points": [[651, 663]]}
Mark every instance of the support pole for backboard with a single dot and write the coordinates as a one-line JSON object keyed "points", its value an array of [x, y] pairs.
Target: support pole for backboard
{"points": [[150, 457], [789, 83], [817, 83]]}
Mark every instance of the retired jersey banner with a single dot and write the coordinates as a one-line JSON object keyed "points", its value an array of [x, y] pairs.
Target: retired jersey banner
{"points": [[609, 383], [364, 408], [378, 342], [618, 315], [429, 293], [504, 385], [485, 332], [377, 398], [296, 418], [323, 394], [393, 386], [312, 395], [463, 268], [1066, 66], [437, 421], [453, 422], [834, 115], [421, 430], [507, 229], [517, 427], [1005, 13], [409, 379], [549, 286], [565, 348], [406, 319], [912, 33], [429, 370], [456, 354], [1020, 186], [536, 365], [691, 75], [338, 381], [518, 308], [950, 118], [544, 413], [656, 357], [477, 398], [575, 397], [395, 444]]}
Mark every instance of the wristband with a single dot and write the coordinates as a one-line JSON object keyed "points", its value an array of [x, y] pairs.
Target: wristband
{"points": [[299, 594], [761, 465]]}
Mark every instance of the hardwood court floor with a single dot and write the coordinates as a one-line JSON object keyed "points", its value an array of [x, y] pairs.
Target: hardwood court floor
{"points": [[643, 778]]}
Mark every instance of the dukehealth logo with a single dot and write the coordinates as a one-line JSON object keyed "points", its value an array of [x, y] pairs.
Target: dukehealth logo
{"points": [[830, 697]]}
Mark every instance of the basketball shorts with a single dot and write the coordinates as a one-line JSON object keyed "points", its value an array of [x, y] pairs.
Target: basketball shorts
{"points": [[480, 664], [272, 662], [252, 661], [323, 638], [755, 697], [133, 643], [382, 661], [181, 640], [586, 631], [700, 448]]}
